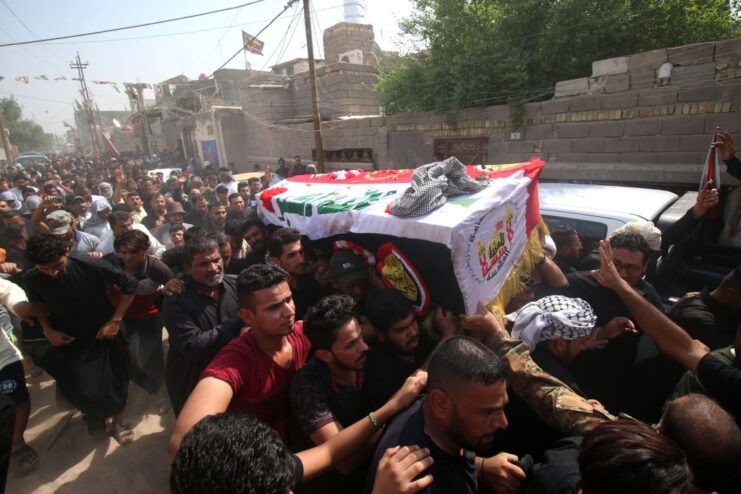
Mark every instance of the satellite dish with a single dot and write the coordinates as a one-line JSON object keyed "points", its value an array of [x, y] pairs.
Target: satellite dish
{"points": [[116, 123]]}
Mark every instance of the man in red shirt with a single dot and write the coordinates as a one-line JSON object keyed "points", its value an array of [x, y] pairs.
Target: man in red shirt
{"points": [[253, 372]]}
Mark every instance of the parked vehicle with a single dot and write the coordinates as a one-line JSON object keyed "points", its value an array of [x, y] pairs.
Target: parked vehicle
{"points": [[595, 211], [27, 158]]}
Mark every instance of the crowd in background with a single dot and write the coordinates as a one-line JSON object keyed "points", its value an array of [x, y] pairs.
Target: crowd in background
{"points": [[294, 358]]}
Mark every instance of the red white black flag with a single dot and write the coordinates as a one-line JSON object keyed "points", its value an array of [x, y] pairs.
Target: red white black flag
{"points": [[252, 44]]}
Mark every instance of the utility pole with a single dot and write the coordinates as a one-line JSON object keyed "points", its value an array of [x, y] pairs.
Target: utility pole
{"points": [[80, 67], [143, 117], [4, 136], [314, 93]]}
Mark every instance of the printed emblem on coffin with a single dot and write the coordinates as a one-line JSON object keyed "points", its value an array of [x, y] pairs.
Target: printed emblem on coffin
{"points": [[490, 243], [397, 272]]}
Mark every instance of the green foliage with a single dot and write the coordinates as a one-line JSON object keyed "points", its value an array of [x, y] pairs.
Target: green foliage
{"points": [[485, 52], [26, 134]]}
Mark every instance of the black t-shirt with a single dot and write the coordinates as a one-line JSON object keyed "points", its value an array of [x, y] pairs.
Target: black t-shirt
{"points": [[306, 293], [564, 264], [707, 320], [298, 473], [386, 371], [317, 400], [558, 470], [723, 382], [78, 302], [450, 473]]}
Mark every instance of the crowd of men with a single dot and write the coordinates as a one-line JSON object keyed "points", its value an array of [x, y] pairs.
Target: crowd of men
{"points": [[289, 367]]}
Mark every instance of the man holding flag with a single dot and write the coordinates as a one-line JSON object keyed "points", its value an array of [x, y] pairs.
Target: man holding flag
{"points": [[726, 150]]}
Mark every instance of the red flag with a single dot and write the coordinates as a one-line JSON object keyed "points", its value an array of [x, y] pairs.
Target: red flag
{"points": [[711, 172], [109, 145]]}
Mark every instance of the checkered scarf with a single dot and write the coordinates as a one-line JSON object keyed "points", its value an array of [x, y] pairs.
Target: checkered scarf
{"points": [[552, 317], [431, 184]]}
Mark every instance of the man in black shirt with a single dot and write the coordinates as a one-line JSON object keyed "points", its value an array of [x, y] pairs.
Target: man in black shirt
{"points": [[287, 252], [607, 374], [326, 393], [198, 215], [568, 248], [200, 320], [722, 381], [456, 420], [86, 355], [401, 349], [713, 316]]}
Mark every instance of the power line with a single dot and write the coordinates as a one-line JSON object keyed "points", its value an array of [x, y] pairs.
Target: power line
{"points": [[181, 33], [288, 5], [28, 29], [284, 42], [154, 23], [15, 95]]}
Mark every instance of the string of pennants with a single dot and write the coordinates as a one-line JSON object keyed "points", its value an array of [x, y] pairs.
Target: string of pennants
{"points": [[250, 43]]}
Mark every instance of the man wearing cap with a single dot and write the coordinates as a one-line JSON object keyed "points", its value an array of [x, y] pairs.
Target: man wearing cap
{"points": [[175, 216], [349, 274], [62, 224]]}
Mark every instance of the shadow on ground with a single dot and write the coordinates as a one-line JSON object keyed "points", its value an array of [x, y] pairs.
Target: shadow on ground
{"points": [[73, 462]]}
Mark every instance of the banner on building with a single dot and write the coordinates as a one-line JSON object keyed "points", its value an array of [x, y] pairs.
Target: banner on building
{"points": [[210, 151], [486, 232], [252, 44]]}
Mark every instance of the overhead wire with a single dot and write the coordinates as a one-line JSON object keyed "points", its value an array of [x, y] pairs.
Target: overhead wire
{"points": [[180, 33], [318, 31], [30, 31], [285, 41], [134, 26], [29, 52], [288, 5]]}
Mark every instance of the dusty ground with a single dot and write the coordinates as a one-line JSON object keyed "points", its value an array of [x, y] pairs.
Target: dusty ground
{"points": [[72, 462]]}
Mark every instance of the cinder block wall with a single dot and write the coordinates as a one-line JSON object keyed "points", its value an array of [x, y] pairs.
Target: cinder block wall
{"points": [[621, 124]]}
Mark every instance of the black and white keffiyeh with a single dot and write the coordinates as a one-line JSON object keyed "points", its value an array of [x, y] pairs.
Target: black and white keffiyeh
{"points": [[552, 317], [431, 186]]}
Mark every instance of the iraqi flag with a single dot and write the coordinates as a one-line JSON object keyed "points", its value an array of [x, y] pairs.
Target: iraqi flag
{"points": [[711, 172], [109, 145], [489, 237]]}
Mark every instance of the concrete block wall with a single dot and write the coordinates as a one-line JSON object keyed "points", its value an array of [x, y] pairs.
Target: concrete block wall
{"points": [[648, 132], [344, 89], [699, 63], [344, 37]]}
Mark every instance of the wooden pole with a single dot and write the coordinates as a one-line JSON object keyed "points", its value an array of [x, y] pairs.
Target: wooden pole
{"points": [[314, 94], [6, 142]]}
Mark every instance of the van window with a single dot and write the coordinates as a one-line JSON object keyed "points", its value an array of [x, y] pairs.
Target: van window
{"points": [[590, 232]]}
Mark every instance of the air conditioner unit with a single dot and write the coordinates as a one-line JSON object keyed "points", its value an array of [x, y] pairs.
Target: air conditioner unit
{"points": [[352, 56]]}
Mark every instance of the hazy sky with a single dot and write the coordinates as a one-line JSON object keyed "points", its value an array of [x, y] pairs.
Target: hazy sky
{"points": [[152, 54]]}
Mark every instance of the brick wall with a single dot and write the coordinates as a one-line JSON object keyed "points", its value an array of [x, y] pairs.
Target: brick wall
{"points": [[623, 123]]}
